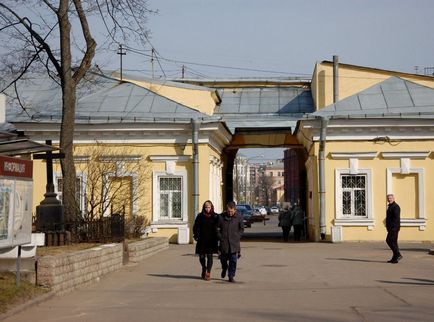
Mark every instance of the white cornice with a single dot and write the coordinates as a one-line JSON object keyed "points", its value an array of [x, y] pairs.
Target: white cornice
{"points": [[410, 155], [163, 158], [353, 155], [117, 158]]}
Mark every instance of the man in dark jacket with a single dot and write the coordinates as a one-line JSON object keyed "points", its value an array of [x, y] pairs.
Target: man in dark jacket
{"points": [[393, 224], [229, 230]]}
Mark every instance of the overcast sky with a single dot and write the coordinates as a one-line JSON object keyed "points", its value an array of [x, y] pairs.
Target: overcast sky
{"points": [[287, 36]]}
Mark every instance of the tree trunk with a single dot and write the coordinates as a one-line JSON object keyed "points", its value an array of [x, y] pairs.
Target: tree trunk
{"points": [[68, 114]]}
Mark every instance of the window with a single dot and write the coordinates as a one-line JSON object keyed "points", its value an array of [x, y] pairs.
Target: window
{"points": [[353, 195], [170, 197], [79, 190], [353, 198]]}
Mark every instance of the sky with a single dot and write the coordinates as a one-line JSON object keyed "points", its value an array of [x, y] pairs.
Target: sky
{"points": [[284, 37]]}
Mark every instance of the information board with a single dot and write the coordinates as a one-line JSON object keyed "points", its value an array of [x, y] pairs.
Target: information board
{"points": [[16, 192]]}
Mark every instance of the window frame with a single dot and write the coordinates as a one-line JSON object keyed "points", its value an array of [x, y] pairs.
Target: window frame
{"points": [[83, 184], [345, 220], [156, 216]]}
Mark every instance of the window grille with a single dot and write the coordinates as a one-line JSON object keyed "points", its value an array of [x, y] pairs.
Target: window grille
{"points": [[170, 197], [353, 195]]}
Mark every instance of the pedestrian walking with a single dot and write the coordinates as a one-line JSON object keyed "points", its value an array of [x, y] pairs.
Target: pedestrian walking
{"points": [[393, 225], [285, 221], [229, 230], [205, 233], [297, 221]]}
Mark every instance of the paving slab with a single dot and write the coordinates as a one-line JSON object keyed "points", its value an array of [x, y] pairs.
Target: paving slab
{"points": [[276, 281]]}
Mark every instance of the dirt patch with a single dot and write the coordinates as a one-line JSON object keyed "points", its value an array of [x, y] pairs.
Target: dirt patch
{"points": [[57, 250], [10, 295]]}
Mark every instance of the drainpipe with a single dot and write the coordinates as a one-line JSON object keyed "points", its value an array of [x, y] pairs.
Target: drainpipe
{"points": [[322, 143], [195, 124], [322, 191]]}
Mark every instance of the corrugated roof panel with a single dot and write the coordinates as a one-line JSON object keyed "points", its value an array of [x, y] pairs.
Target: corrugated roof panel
{"points": [[369, 101], [250, 100], [269, 98], [397, 99], [230, 102], [420, 96], [390, 97]]}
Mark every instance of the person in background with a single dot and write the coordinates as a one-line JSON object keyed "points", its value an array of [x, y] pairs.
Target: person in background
{"points": [[393, 225], [285, 221], [204, 232], [297, 221], [229, 230]]}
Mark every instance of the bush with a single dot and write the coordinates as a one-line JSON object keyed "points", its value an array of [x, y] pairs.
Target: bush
{"points": [[135, 226]]}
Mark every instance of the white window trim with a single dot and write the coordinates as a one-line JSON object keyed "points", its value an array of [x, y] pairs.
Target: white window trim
{"points": [[339, 220], [83, 185], [156, 222], [420, 221]]}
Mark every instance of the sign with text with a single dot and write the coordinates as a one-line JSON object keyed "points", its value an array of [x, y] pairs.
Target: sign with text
{"points": [[16, 191], [13, 167]]}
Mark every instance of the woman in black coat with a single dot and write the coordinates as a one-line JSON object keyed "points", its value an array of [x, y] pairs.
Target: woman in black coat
{"points": [[205, 233]]}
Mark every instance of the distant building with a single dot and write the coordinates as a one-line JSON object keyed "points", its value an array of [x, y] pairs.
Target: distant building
{"points": [[294, 177]]}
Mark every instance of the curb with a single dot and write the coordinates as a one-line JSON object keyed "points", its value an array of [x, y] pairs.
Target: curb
{"points": [[19, 308]]}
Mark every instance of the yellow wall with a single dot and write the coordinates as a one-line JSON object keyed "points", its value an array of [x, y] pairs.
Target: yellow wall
{"points": [[145, 201], [405, 195], [353, 79]]}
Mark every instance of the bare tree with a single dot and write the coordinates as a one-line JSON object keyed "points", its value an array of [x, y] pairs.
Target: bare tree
{"points": [[58, 36], [115, 182]]}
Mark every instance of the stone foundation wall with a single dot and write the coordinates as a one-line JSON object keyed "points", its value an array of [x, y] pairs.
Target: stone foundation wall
{"points": [[62, 273], [140, 250]]}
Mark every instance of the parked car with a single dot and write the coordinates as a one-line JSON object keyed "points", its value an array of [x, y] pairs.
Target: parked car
{"points": [[274, 210], [262, 210], [246, 205], [247, 216], [258, 215]]}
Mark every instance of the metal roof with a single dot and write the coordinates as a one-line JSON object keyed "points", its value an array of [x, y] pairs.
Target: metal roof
{"points": [[264, 107], [100, 99], [393, 97]]}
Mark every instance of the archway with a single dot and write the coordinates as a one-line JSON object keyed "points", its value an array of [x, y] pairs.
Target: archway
{"points": [[281, 182]]}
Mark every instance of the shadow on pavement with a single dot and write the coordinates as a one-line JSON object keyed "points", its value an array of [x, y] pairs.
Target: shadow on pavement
{"points": [[190, 277], [417, 281], [422, 250], [356, 260]]}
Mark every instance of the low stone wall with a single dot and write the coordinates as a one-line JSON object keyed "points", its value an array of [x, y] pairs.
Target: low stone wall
{"points": [[62, 273], [138, 251]]}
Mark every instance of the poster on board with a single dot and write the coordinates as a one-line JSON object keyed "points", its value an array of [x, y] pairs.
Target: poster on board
{"points": [[16, 191]]}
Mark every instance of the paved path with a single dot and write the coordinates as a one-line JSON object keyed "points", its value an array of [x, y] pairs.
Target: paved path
{"points": [[276, 282]]}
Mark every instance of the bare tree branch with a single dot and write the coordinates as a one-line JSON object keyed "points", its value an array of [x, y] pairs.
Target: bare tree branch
{"points": [[35, 35], [90, 43]]}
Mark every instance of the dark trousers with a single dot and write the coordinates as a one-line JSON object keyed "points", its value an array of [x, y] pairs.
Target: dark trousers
{"points": [[232, 259], [206, 261], [392, 242], [285, 231], [297, 232]]}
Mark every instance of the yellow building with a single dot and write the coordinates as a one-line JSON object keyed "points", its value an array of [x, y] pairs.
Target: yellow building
{"points": [[144, 134], [378, 139]]}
